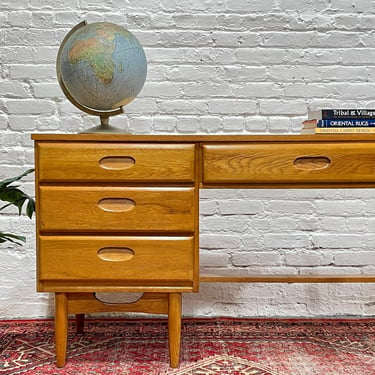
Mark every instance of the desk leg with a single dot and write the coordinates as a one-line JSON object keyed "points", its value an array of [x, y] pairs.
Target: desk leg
{"points": [[61, 327], [80, 322], [174, 328]]}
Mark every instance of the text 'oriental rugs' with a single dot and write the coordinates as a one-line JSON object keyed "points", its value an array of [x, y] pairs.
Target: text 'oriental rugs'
{"points": [[209, 346]]}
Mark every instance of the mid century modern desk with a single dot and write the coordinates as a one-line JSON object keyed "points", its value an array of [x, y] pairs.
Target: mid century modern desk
{"points": [[120, 213]]}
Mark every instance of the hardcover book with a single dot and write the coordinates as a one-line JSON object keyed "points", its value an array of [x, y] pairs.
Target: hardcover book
{"points": [[348, 130], [344, 123], [348, 114]]}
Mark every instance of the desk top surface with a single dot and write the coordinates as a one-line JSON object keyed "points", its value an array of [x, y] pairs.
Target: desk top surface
{"points": [[123, 137]]}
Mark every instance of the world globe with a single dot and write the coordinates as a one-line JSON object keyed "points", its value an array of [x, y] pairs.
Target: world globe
{"points": [[101, 67]]}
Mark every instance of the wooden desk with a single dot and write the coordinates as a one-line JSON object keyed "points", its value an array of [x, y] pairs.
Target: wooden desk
{"points": [[120, 213]]}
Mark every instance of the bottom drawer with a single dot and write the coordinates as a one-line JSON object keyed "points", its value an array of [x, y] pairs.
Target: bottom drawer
{"points": [[152, 260]]}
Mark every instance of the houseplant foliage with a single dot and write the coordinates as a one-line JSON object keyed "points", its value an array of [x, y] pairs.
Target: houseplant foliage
{"points": [[13, 196]]}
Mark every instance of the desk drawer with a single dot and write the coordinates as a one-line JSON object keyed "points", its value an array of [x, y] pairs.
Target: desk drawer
{"points": [[151, 259], [282, 163], [115, 162], [118, 209]]}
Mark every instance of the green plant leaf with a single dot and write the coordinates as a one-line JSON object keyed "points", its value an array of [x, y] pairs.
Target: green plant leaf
{"points": [[30, 208], [18, 240], [8, 181], [15, 196]]}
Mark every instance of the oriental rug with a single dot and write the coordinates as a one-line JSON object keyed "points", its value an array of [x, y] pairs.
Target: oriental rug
{"points": [[209, 346]]}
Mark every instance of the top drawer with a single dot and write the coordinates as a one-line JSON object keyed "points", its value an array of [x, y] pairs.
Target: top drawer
{"points": [[262, 164], [92, 161]]}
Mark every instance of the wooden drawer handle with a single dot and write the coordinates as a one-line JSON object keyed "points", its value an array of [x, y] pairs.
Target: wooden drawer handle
{"points": [[116, 204], [117, 162], [115, 254], [312, 163]]}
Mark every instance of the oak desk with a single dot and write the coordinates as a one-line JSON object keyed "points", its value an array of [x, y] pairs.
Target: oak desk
{"points": [[120, 213]]}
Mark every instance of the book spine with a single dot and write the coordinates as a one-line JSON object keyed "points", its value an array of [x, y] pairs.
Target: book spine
{"points": [[344, 130], [344, 123], [339, 114]]}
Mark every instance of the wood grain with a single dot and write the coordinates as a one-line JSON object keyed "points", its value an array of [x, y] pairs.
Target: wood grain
{"points": [[83, 162], [140, 192], [271, 163], [155, 260], [76, 208]]}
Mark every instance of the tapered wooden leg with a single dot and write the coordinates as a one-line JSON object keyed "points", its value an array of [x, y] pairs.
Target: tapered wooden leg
{"points": [[174, 328], [80, 321], [61, 327]]}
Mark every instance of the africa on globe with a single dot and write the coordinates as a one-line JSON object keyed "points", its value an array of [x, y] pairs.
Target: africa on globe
{"points": [[101, 67]]}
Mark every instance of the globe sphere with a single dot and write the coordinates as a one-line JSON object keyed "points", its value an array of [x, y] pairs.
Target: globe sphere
{"points": [[101, 66]]}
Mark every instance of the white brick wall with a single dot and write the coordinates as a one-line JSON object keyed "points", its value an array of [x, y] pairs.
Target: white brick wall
{"points": [[223, 67]]}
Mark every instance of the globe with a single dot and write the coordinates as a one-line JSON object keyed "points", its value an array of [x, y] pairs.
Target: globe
{"points": [[101, 67]]}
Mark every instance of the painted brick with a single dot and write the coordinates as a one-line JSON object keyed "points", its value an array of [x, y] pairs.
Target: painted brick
{"points": [[213, 241], [256, 124], [355, 258], [283, 223], [209, 208], [67, 18], [256, 258], [30, 106], [214, 67], [279, 124], [254, 241], [286, 241], [32, 71], [337, 241], [292, 207], [333, 224], [140, 125], [210, 124], [232, 106], [47, 90], [23, 36], [12, 89], [164, 124], [22, 123], [223, 224], [239, 207], [16, 54], [214, 259], [19, 18], [187, 124], [233, 124], [3, 122], [303, 258], [281, 107]]}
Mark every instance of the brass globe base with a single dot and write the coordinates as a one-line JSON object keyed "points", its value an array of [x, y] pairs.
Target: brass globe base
{"points": [[104, 127]]}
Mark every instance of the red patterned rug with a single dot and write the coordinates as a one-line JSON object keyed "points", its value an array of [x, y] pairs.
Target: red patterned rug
{"points": [[209, 346]]}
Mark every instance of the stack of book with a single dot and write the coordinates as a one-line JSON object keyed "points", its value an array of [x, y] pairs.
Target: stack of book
{"points": [[341, 121]]}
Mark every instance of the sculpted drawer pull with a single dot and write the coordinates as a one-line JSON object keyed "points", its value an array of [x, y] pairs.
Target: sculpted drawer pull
{"points": [[117, 162], [312, 162], [116, 204], [115, 254]]}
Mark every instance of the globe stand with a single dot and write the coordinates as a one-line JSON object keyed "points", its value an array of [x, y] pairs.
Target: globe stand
{"points": [[104, 127]]}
